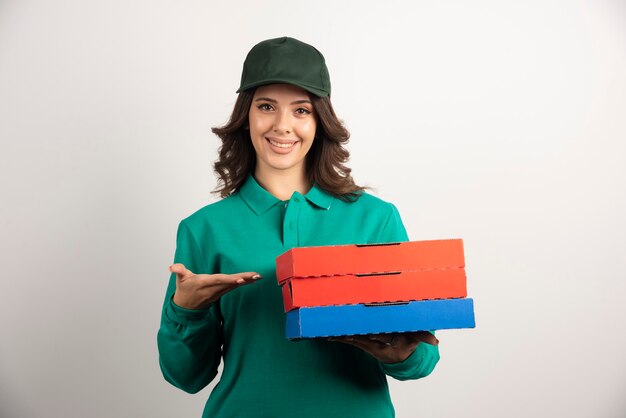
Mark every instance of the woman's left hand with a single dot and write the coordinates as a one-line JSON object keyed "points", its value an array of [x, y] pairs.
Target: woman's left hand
{"points": [[389, 348]]}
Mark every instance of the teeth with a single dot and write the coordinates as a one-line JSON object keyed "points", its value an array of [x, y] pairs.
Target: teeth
{"points": [[279, 145]]}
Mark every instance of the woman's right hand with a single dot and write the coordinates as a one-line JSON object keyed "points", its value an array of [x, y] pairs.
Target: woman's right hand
{"points": [[198, 291]]}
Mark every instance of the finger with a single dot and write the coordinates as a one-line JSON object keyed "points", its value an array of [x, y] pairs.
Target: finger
{"points": [[386, 339], [423, 336], [248, 277], [238, 278], [360, 341], [371, 341], [373, 348], [350, 339], [229, 280], [405, 343], [180, 270], [400, 341]]}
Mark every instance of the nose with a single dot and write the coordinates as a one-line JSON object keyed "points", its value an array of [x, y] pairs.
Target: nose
{"points": [[282, 122]]}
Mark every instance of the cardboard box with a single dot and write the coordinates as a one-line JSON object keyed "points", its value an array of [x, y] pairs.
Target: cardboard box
{"points": [[427, 315], [371, 258], [353, 289]]}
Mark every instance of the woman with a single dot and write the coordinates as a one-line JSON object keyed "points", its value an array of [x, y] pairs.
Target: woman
{"points": [[284, 184]]}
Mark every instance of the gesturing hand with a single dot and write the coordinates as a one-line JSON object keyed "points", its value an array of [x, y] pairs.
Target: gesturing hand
{"points": [[198, 291], [389, 348]]}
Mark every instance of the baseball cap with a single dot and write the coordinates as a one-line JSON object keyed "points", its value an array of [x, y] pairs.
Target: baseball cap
{"points": [[286, 60]]}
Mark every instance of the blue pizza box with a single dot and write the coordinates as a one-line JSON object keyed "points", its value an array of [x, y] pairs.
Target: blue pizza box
{"points": [[337, 320]]}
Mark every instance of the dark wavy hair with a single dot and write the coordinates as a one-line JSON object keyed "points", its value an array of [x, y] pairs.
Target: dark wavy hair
{"points": [[325, 161]]}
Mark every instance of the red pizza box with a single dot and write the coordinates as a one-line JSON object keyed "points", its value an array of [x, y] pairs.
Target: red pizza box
{"points": [[339, 260], [374, 288]]}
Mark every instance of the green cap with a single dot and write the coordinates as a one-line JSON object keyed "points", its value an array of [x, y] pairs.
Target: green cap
{"points": [[286, 60]]}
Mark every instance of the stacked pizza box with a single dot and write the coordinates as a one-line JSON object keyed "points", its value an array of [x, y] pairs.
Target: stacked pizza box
{"points": [[374, 288]]}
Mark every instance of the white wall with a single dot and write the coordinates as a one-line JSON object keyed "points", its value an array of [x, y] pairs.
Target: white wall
{"points": [[503, 123]]}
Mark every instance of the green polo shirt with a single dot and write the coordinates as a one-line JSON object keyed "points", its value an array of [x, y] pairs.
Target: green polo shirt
{"points": [[264, 374]]}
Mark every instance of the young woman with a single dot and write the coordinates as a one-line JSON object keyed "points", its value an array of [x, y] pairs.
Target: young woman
{"points": [[284, 184]]}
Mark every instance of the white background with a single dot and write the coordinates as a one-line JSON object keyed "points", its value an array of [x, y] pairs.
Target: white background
{"points": [[502, 123]]}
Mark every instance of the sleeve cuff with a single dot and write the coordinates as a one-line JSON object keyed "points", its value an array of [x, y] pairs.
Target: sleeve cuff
{"points": [[419, 364], [186, 316]]}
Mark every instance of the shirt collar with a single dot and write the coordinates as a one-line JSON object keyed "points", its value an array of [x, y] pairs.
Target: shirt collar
{"points": [[260, 200], [319, 197], [256, 197]]}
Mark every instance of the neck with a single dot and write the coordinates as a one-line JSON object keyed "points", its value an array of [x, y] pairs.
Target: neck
{"points": [[282, 183]]}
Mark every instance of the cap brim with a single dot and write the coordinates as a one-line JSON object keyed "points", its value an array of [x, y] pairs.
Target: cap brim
{"points": [[315, 91]]}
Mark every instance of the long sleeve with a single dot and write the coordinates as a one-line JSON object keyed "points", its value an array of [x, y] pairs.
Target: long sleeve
{"points": [[189, 341], [425, 357], [419, 364]]}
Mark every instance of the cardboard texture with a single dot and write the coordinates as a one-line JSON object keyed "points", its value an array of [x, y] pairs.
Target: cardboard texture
{"points": [[353, 289], [371, 258], [427, 315]]}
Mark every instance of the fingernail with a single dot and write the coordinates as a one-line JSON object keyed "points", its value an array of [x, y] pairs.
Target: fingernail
{"points": [[240, 281], [257, 277]]}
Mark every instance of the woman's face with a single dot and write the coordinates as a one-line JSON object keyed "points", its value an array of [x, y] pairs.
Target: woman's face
{"points": [[282, 128]]}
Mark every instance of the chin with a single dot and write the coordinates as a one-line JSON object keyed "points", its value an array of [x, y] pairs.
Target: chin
{"points": [[282, 167]]}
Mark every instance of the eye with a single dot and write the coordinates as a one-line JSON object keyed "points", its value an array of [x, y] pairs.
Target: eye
{"points": [[303, 111], [264, 107]]}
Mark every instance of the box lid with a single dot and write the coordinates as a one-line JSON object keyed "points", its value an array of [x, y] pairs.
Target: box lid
{"points": [[369, 258]]}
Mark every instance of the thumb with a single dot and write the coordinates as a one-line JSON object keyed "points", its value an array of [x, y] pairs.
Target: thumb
{"points": [[180, 270]]}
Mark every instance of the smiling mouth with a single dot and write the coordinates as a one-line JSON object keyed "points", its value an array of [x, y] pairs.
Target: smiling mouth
{"points": [[280, 144]]}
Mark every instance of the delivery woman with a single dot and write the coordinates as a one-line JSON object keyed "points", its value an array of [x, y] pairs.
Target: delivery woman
{"points": [[283, 184]]}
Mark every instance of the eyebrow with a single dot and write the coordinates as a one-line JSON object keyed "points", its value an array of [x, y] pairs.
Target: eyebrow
{"points": [[267, 99]]}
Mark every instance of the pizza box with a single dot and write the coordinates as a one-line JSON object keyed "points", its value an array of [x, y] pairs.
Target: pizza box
{"points": [[401, 286], [426, 315], [338, 260]]}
